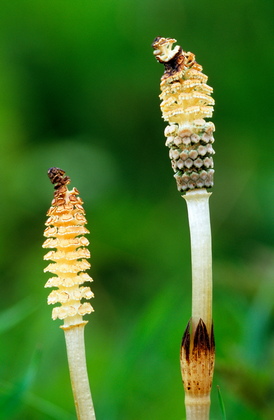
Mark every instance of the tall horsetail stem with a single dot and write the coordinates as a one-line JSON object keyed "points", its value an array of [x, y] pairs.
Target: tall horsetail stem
{"points": [[66, 232], [185, 102]]}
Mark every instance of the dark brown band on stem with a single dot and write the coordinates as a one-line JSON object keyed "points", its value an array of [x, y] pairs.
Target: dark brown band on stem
{"points": [[186, 341], [201, 338], [197, 359]]}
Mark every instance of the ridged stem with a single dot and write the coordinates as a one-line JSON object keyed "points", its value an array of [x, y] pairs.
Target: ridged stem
{"points": [[198, 348], [201, 256], [74, 335], [197, 408]]}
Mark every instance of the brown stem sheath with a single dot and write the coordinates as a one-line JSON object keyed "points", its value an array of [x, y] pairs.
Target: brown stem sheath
{"points": [[197, 365]]}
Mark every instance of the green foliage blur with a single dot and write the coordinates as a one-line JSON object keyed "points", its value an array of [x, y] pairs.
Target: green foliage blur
{"points": [[79, 90]]}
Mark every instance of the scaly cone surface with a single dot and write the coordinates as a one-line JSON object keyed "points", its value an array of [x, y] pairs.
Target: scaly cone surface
{"points": [[65, 232], [186, 101]]}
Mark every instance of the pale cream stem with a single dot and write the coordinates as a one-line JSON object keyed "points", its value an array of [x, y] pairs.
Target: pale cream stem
{"points": [[201, 256], [197, 356], [74, 335], [198, 407]]}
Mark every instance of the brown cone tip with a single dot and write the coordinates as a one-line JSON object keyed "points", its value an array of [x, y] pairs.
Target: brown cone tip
{"points": [[171, 58], [57, 177]]}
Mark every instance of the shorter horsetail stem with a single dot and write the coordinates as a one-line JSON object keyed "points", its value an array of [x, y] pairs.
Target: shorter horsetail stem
{"points": [[65, 233], [185, 103]]}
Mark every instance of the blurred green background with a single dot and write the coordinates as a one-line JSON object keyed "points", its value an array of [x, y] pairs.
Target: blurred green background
{"points": [[79, 89]]}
